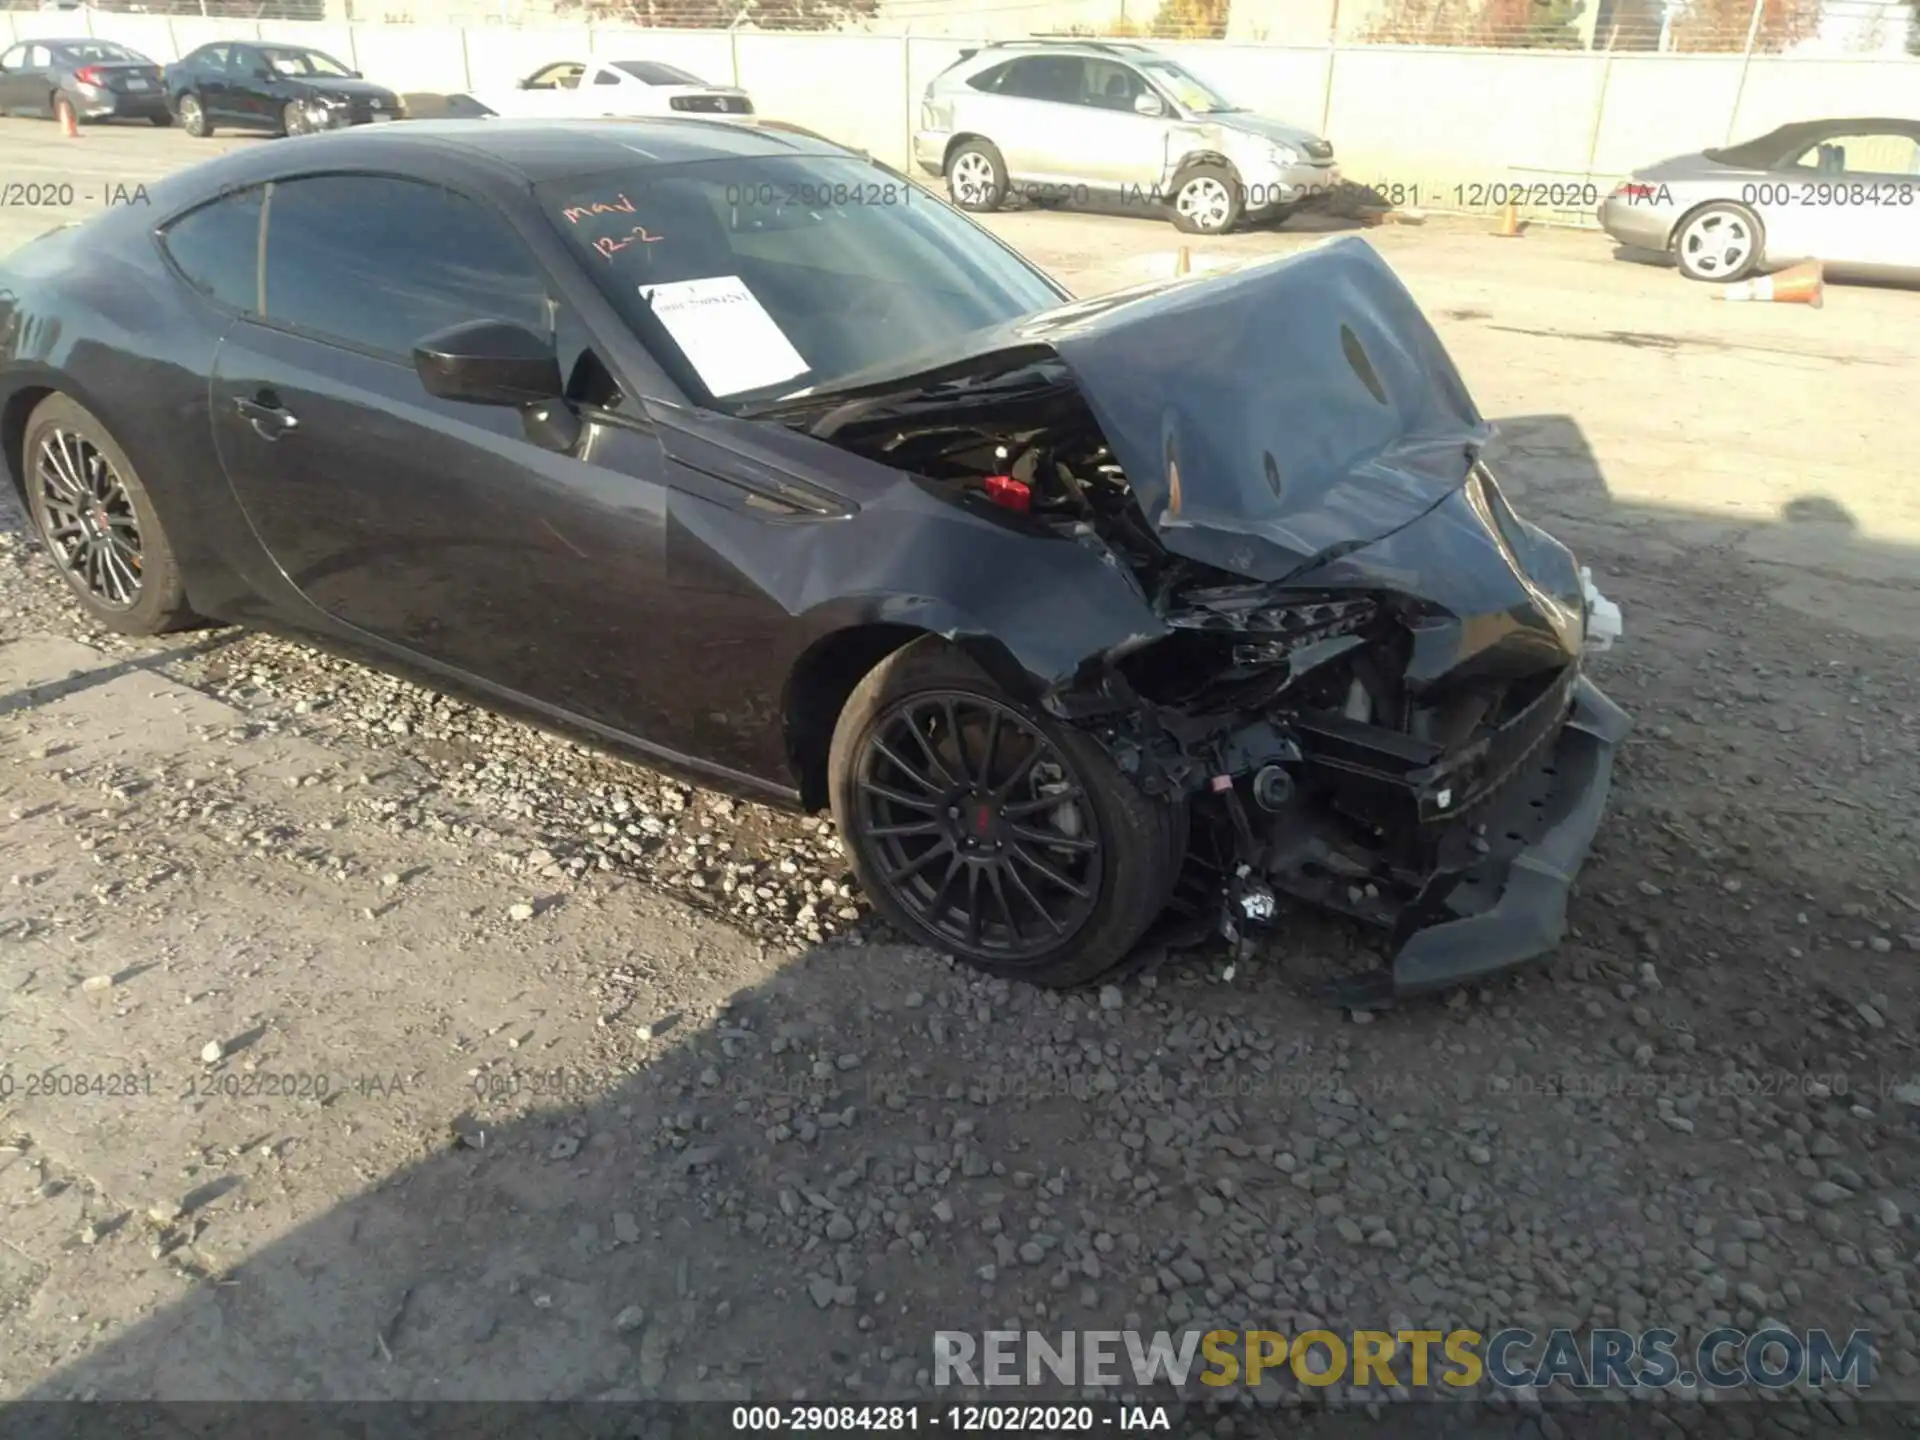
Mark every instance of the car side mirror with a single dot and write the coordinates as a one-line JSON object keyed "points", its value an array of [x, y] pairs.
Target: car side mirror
{"points": [[489, 362], [355, 75], [1148, 103]]}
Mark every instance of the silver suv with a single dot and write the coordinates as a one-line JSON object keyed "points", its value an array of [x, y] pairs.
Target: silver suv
{"points": [[1094, 122]]}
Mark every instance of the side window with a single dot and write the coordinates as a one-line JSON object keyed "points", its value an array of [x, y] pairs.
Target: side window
{"points": [[379, 263], [14, 59], [217, 247], [38, 57], [212, 59], [1045, 77], [606, 77], [1111, 86], [1881, 154], [1892, 153], [992, 78]]}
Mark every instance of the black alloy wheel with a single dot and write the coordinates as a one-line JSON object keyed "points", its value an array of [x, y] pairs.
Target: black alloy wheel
{"points": [[980, 825], [90, 525], [99, 523], [991, 831]]}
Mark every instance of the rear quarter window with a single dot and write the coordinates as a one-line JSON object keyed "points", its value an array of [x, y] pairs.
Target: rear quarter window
{"points": [[990, 78], [217, 248]]}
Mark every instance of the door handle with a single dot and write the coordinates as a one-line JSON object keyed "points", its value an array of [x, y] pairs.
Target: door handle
{"points": [[269, 422]]}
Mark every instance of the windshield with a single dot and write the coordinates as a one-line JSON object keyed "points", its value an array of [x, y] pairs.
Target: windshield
{"points": [[305, 62], [652, 72], [1190, 92], [755, 279]]}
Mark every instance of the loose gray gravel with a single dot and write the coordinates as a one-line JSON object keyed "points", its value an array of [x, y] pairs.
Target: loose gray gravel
{"points": [[1701, 1112]]}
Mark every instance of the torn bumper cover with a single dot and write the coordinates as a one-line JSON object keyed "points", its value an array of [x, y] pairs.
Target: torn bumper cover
{"points": [[1512, 906]]}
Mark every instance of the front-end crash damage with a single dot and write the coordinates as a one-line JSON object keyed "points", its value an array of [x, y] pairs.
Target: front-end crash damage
{"points": [[1355, 665]]}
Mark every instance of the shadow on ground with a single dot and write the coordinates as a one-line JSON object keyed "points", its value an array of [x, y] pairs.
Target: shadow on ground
{"points": [[789, 1197]]}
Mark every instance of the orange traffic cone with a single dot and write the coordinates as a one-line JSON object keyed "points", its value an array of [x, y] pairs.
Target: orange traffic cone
{"points": [[1799, 285], [1510, 226], [69, 122]]}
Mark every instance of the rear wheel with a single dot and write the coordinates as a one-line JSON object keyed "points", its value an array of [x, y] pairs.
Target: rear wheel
{"points": [[99, 523], [1718, 243], [977, 176], [983, 829], [193, 116]]}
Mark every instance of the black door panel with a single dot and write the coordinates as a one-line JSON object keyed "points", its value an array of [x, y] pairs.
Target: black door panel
{"points": [[438, 527]]}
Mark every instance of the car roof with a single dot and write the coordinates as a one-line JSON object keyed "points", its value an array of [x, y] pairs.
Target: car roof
{"points": [[547, 149], [529, 151]]}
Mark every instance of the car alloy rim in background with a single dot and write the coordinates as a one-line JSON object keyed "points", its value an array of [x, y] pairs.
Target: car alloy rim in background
{"points": [[1205, 202], [1717, 244], [977, 825], [973, 178], [296, 119], [189, 111], [91, 526]]}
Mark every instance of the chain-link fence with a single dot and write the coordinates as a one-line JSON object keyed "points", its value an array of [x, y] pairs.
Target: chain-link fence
{"points": [[1725, 27]]}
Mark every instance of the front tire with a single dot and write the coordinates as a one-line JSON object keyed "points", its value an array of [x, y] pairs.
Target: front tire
{"points": [[193, 116], [293, 119], [977, 177], [98, 522], [983, 829], [1207, 200], [1719, 243]]}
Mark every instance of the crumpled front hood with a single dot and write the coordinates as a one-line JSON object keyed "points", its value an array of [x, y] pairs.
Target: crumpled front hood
{"points": [[1271, 416], [1268, 418]]}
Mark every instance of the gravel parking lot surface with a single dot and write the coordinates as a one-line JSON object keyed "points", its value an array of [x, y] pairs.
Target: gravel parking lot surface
{"points": [[412, 1052]]}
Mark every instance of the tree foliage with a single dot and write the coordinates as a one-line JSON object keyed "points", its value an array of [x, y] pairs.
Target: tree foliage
{"points": [[1513, 24], [1722, 25], [723, 14]]}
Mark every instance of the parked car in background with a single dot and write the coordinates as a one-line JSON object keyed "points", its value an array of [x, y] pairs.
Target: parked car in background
{"points": [[1845, 192], [604, 89], [282, 89], [1102, 121], [89, 79]]}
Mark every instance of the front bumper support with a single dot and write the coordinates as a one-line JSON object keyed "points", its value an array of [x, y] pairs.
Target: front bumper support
{"points": [[1529, 916]]}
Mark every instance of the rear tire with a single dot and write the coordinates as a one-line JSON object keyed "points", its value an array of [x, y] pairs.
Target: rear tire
{"points": [[193, 116], [975, 858], [977, 177], [1719, 243], [98, 522]]}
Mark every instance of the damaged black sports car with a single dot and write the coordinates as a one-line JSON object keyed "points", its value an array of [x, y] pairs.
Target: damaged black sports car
{"points": [[730, 447]]}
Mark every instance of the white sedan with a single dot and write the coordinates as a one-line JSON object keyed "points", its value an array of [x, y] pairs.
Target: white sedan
{"points": [[601, 89]]}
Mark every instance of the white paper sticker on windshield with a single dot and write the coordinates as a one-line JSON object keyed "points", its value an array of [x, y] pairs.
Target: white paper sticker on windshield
{"points": [[728, 337]]}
